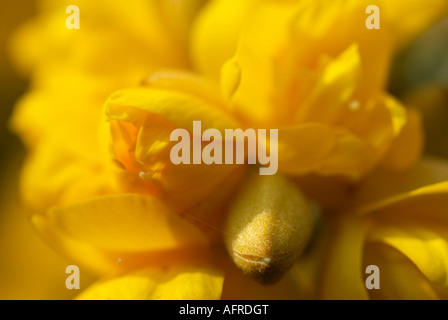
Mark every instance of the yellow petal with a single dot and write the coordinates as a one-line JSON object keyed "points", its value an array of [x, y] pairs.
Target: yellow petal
{"points": [[96, 261], [395, 273], [54, 176], [335, 86], [387, 190], [351, 157], [409, 19], [326, 150], [303, 148], [257, 48], [146, 43], [190, 83], [29, 268], [170, 283], [125, 223], [105, 262], [426, 247], [331, 193], [407, 147], [175, 106], [283, 45], [216, 32], [343, 275], [142, 122], [42, 115]]}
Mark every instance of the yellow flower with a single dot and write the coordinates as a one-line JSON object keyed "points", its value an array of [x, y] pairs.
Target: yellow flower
{"points": [[314, 62], [154, 230], [74, 71]]}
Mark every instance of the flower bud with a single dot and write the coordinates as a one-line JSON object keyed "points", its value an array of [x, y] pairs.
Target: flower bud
{"points": [[268, 227]]}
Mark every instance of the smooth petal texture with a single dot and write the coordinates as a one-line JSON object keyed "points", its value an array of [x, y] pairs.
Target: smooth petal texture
{"points": [[342, 277], [95, 233], [51, 112], [142, 120], [159, 284], [400, 279], [407, 148], [214, 39], [387, 190], [337, 134], [427, 248], [318, 148], [335, 85], [175, 106], [356, 132], [302, 149], [271, 55], [146, 43], [54, 176], [29, 268], [257, 48], [125, 223], [187, 83], [102, 262], [219, 25], [82, 254], [408, 19]]}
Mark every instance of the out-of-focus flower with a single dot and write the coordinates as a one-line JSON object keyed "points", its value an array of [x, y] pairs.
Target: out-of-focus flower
{"points": [[309, 68], [73, 73]]}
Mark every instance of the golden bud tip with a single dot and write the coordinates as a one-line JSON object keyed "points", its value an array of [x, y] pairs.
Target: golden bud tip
{"points": [[267, 228]]}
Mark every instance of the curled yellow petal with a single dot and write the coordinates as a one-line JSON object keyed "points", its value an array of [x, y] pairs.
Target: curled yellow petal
{"points": [[168, 283], [216, 32], [125, 223], [407, 191], [396, 270], [342, 277], [55, 176], [142, 121], [426, 247], [407, 147]]}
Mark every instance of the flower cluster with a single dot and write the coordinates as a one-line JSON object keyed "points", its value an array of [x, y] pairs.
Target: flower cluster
{"points": [[352, 187]]}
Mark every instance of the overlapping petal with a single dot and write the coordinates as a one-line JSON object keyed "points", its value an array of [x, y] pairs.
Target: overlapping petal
{"points": [[407, 211], [426, 247], [396, 270], [135, 228], [106, 37], [142, 120], [159, 284], [343, 274]]}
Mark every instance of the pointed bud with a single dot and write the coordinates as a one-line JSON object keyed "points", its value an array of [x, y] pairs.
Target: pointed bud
{"points": [[268, 227]]}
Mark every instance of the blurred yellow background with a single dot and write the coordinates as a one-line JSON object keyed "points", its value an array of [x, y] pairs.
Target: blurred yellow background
{"points": [[29, 269]]}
